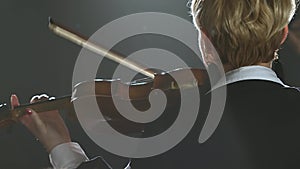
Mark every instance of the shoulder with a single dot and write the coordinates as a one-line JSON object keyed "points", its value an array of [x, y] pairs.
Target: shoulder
{"points": [[262, 88]]}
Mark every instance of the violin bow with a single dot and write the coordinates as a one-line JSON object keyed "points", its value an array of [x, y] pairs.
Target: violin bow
{"points": [[85, 43]]}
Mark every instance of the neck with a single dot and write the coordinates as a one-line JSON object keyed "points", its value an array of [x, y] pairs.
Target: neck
{"points": [[228, 67], [268, 65]]}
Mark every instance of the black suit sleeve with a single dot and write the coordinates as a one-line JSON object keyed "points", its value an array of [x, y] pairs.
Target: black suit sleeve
{"points": [[96, 163]]}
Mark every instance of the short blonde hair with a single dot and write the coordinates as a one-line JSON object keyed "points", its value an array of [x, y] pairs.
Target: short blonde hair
{"points": [[244, 32]]}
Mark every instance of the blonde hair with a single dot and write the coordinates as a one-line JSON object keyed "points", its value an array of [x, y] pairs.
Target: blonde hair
{"points": [[244, 32]]}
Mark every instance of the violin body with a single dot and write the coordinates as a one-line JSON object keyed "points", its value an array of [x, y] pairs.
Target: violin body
{"points": [[137, 92]]}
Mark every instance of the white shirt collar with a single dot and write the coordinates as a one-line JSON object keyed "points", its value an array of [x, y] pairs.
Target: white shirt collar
{"points": [[249, 73]]}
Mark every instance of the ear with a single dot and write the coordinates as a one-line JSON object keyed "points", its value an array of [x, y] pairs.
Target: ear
{"points": [[285, 34]]}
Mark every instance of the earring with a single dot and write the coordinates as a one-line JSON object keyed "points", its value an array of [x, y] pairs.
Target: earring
{"points": [[277, 66], [276, 55]]}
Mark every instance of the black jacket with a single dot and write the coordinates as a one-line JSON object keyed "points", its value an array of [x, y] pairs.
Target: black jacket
{"points": [[259, 129]]}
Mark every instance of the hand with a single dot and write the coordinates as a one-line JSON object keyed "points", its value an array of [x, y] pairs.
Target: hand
{"points": [[48, 127]]}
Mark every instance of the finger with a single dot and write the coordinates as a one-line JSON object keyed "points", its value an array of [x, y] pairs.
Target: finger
{"points": [[33, 120], [39, 98], [14, 101], [35, 117], [26, 121]]}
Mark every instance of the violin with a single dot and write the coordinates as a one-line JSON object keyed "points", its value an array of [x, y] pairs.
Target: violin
{"points": [[101, 89]]}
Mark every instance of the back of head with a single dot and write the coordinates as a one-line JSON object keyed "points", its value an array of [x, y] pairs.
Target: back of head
{"points": [[244, 32]]}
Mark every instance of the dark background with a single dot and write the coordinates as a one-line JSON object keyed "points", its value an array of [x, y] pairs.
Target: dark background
{"points": [[34, 61]]}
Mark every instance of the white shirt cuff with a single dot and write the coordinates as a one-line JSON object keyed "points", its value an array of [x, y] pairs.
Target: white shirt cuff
{"points": [[67, 156]]}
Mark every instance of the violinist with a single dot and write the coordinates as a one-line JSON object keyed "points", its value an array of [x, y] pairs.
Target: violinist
{"points": [[260, 125], [261, 117]]}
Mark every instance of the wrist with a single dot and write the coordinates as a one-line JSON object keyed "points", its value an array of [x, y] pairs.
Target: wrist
{"points": [[67, 155], [50, 145]]}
